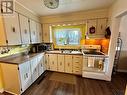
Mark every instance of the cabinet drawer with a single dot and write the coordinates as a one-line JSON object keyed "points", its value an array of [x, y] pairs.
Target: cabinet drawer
{"points": [[77, 67], [77, 59], [79, 72], [77, 64]]}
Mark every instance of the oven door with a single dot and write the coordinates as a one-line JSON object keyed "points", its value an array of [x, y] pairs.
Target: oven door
{"points": [[94, 64]]}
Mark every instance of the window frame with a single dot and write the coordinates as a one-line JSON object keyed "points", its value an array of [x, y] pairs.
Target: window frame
{"points": [[82, 28]]}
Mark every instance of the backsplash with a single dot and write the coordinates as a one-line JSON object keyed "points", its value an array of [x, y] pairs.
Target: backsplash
{"points": [[6, 51], [103, 42]]}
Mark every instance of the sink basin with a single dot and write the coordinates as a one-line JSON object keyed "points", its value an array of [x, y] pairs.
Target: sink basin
{"points": [[66, 51], [54, 51], [75, 52]]}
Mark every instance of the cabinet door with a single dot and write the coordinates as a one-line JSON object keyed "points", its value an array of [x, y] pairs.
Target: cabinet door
{"points": [[24, 26], [46, 33], [77, 64], [41, 63], [12, 29], [46, 64], [39, 33], [34, 69], [33, 31], [91, 23], [53, 62], [61, 63], [101, 26], [10, 75], [68, 63], [25, 75], [2, 32]]}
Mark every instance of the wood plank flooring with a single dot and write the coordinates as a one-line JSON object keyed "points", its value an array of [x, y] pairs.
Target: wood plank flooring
{"points": [[83, 86]]}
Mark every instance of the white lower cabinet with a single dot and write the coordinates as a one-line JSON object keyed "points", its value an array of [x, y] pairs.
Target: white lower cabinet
{"points": [[25, 75], [34, 69], [18, 77], [41, 64]]}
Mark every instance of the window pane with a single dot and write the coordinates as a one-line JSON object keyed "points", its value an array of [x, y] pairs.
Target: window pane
{"points": [[67, 36], [74, 36]]}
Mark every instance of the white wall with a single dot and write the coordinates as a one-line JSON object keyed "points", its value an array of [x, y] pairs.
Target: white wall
{"points": [[122, 65], [115, 13]]}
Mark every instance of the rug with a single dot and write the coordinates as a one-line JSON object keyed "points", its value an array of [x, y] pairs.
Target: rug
{"points": [[64, 78]]}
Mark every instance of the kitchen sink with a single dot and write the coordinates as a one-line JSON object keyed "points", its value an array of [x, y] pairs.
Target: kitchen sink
{"points": [[54, 51]]}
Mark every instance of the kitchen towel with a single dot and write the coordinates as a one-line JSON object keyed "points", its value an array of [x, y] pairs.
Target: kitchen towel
{"points": [[91, 62]]}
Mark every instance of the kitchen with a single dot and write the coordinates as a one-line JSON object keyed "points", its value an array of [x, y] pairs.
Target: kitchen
{"points": [[45, 49]]}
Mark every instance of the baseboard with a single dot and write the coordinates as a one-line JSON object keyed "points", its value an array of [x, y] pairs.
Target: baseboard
{"points": [[123, 71], [1, 90]]}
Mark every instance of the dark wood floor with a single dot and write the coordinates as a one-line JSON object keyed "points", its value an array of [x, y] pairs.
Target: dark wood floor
{"points": [[83, 86]]}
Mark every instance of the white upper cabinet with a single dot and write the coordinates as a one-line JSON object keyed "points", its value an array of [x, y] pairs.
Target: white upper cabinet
{"points": [[33, 30], [25, 32], [39, 32], [96, 27], [12, 29]]}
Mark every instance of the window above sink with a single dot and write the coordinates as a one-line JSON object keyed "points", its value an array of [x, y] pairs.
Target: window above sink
{"points": [[68, 36]]}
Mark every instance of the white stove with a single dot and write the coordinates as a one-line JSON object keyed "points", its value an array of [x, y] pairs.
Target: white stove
{"points": [[94, 62]]}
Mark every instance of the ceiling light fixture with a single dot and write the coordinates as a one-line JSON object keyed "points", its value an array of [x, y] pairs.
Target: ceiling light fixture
{"points": [[51, 4]]}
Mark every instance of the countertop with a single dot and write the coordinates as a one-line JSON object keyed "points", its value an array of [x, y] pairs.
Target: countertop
{"points": [[18, 59], [59, 52]]}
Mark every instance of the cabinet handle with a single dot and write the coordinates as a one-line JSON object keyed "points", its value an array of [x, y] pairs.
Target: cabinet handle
{"points": [[13, 29], [68, 64], [34, 32], [41, 65], [26, 75], [60, 63], [25, 31], [101, 27], [53, 62], [45, 34]]}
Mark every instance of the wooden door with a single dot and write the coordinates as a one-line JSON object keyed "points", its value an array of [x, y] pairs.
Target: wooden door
{"points": [[77, 64], [34, 69], [12, 29], [24, 26], [33, 31], [61, 63], [25, 75], [68, 63], [39, 33], [53, 62]]}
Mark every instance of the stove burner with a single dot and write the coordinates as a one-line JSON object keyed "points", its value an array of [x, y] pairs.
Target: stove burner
{"points": [[93, 53]]}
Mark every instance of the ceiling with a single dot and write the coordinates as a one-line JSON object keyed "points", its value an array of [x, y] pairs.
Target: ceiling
{"points": [[65, 6]]}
